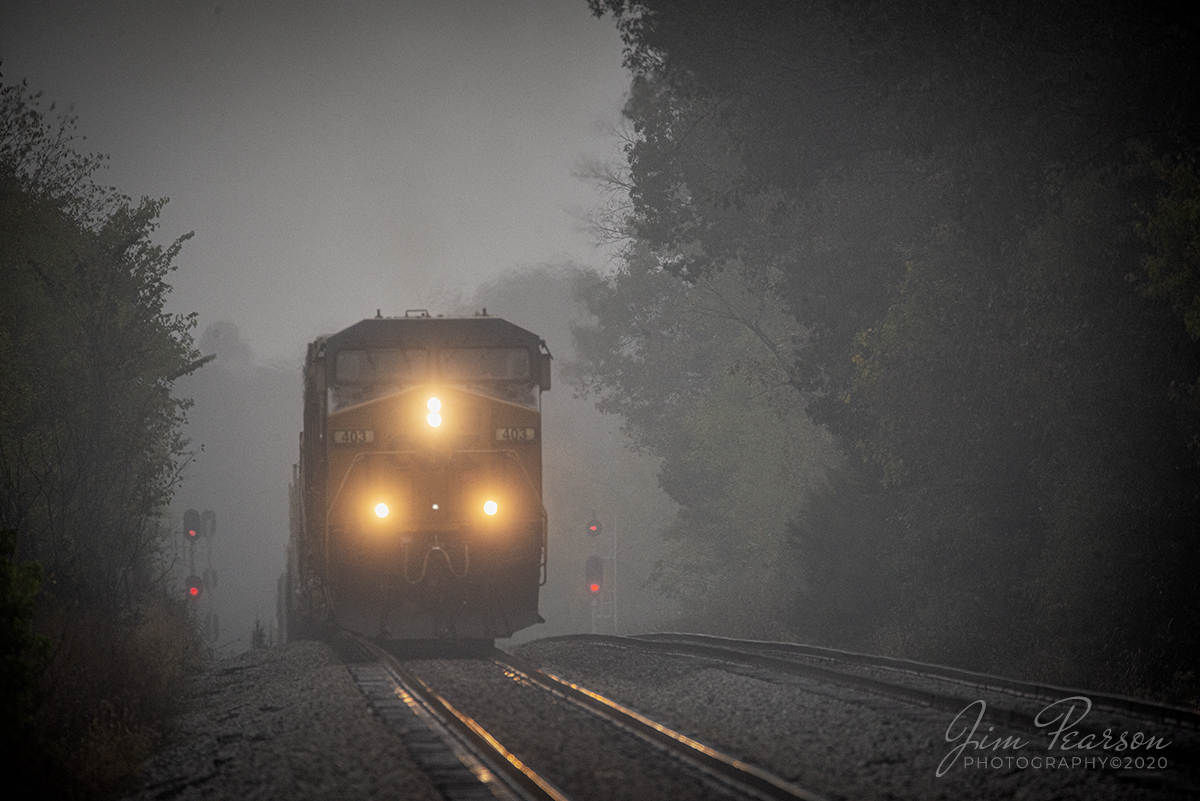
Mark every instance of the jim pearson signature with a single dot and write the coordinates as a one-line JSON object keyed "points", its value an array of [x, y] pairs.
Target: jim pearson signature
{"points": [[1060, 719]]}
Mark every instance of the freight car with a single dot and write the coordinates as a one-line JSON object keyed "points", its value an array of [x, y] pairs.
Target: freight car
{"points": [[416, 505]]}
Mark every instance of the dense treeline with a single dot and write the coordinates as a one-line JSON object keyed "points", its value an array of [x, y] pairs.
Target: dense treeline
{"points": [[977, 230], [89, 454]]}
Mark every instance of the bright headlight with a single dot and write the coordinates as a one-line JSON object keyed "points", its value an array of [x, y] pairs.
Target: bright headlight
{"points": [[434, 406], [490, 508], [381, 510]]}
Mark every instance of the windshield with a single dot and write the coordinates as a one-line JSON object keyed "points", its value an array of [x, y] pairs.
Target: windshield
{"points": [[381, 366], [363, 374], [473, 364]]}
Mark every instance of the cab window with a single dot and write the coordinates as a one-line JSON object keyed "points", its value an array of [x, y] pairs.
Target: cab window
{"points": [[381, 366], [485, 364]]}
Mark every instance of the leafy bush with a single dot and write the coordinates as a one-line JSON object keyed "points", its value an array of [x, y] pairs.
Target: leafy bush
{"points": [[981, 222], [90, 453], [23, 658]]}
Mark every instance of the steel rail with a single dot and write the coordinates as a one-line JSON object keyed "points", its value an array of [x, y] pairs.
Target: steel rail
{"points": [[706, 644], [697, 646], [723, 768], [484, 756], [749, 653], [818, 673]]}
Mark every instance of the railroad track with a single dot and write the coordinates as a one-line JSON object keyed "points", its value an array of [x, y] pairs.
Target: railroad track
{"points": [[467, 761], [899, 678], [1011, 706]]}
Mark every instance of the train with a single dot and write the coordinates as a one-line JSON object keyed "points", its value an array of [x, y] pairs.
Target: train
{"points": [[416, 502]]}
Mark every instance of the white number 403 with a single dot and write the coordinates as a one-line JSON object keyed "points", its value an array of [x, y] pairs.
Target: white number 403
{"points": [[361, 436], [516, 434]]}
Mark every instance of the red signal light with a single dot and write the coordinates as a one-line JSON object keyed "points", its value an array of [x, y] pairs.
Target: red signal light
{"points": [[595, 574], [194, 586], [191, 524], [593, 526]]}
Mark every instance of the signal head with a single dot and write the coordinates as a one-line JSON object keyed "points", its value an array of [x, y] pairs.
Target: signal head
{"points": [[192, 527], [208, 523], [595, 574]]}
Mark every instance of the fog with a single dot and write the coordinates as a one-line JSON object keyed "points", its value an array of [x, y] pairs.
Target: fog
{"points": [[244, 431], [332, 160], [335, 160], [588, 468]]}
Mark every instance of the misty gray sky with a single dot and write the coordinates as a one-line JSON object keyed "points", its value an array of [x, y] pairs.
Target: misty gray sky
{"points": [[335, 158]]}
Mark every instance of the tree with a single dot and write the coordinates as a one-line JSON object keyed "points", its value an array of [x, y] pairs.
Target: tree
{"points": [[23, 657], [699, 372], [819, 139], [88, 443], [89, 455], [946, 199]]}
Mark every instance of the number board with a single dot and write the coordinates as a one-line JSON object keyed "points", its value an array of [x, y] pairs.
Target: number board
{"points": [[516, 434], [361, 436]]}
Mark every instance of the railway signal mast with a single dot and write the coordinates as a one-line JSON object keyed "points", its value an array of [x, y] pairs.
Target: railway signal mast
{"points": [[201, 526], [602, 592], [595, 576]]}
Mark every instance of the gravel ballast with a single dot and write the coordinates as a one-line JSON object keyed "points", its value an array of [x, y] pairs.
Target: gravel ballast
{"points": [[288, 722], [291, 722], [839, 741], [582, 755]]}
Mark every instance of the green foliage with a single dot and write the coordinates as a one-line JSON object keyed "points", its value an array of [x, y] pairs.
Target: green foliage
{"points": [[89, 455], [588, 466], [23, 658], [843, 543], [1023, 418], [1173, 231], [698, 371], [817, 140], [88, 428], [259, 639], [1171, 269], [946, 200], [111, 690]]}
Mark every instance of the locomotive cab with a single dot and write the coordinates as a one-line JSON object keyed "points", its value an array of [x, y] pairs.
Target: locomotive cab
{"points": [[417, 510]]}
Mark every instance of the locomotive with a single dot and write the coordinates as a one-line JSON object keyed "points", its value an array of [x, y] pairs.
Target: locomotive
{"points": [[416, 504]]}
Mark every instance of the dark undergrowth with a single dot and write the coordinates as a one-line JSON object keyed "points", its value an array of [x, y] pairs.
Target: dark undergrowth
{"points": [[87, 696]]}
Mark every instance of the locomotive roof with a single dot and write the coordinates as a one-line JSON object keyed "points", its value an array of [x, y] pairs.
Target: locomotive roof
{"points": [[381, 332]]}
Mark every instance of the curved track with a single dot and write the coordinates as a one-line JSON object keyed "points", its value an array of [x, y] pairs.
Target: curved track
{"points": [[720, 766], [467, 761], [889, 675], [835, 724], [898, 701]]}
